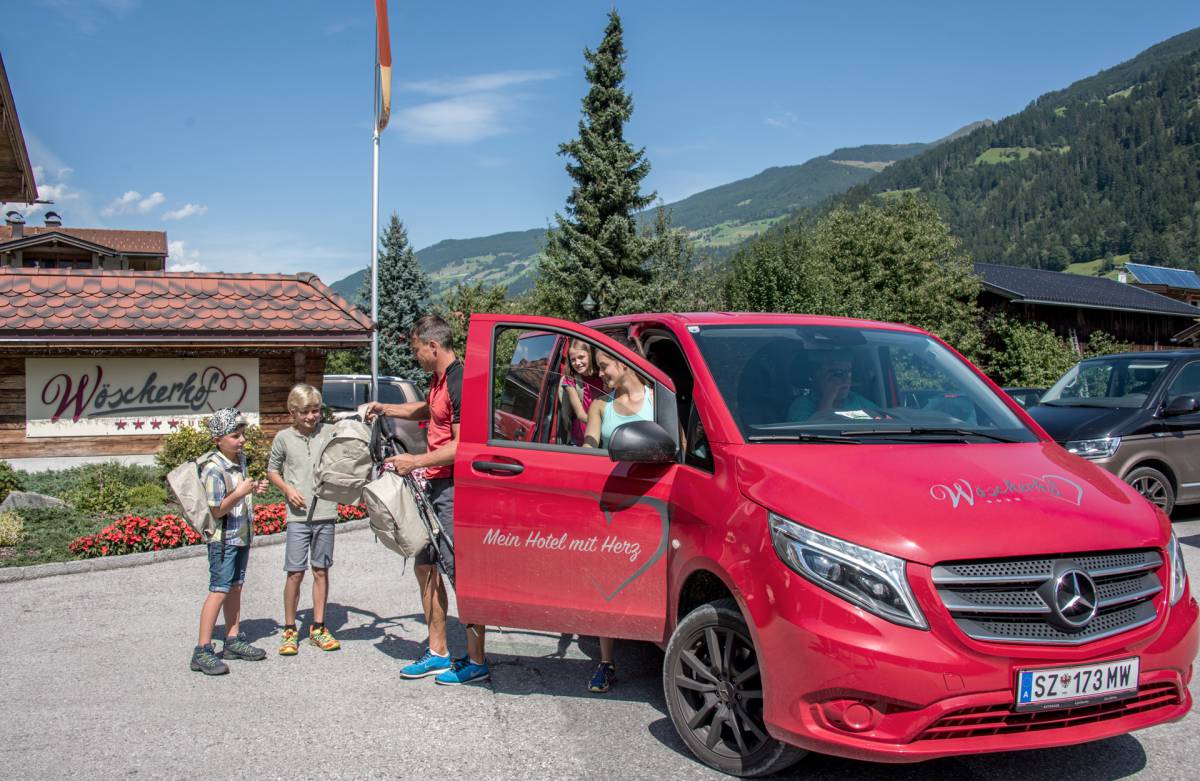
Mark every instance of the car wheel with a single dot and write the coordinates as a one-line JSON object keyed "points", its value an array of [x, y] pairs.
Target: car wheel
{"points": [[714, 693], [1153, 485]]}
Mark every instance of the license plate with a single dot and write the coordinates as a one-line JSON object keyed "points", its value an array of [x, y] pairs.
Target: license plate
{"points": [[1065, 687]]}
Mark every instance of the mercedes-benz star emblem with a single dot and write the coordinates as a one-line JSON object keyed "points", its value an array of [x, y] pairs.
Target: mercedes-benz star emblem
{"points": [[1075, 601]]}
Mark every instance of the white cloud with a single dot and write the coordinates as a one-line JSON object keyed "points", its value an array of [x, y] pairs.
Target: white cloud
{"points": [[180, 258], [781, 119], [461, 120], [481, 82], [185, 211], [132, 202], [281, 252], [334, 28]]}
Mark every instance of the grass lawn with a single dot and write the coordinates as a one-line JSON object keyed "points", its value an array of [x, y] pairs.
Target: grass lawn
{"points": [[893, 194], [1092, 268]]}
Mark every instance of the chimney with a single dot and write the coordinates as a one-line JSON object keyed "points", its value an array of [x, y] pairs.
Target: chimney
{"points": [[1122, 277], [17, 223], [53, 220]]}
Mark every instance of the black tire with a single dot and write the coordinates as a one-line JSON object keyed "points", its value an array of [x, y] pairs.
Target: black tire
{"points": [[714, 694], [1154, 485]]}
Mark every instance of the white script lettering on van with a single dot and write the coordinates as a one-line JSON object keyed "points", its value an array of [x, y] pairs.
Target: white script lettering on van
{"points": [[611, 544], [962, 492]]}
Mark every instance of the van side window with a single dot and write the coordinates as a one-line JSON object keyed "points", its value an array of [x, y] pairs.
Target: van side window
{"points": [[1187, 383], [519, 376]]}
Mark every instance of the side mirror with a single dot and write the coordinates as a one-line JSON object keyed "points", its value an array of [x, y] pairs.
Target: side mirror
{"points": [[643, 442], [1181, 405]]}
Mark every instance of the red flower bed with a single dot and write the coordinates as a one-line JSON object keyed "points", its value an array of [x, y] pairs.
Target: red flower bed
{"points": [[135, 534]]}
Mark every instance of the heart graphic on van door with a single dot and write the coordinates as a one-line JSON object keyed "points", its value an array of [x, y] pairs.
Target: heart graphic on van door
{"points": [[612, 509]]}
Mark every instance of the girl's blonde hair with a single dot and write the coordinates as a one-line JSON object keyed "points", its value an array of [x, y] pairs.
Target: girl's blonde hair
{"points": [[301, 396]]}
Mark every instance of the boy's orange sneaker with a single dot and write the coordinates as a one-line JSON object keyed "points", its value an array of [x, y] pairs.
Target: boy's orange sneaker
{"points": [[323, 639], [291, 643]]}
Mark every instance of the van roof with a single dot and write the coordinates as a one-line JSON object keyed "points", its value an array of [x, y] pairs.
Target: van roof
{"points": [[748, 318]]}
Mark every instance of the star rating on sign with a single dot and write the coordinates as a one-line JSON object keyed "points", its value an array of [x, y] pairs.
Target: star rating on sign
{"points": [[138, 424], [122, 425], [155, 423], [174, 424]]}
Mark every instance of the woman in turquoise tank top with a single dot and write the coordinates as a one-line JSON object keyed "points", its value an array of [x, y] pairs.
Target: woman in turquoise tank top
{"points": [[631, 399]]}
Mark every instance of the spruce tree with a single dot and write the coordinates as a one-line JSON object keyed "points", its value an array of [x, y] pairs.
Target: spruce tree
{"points": [[595, 249], [403, 298]]}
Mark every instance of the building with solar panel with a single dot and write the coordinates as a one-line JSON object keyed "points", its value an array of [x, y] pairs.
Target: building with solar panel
{"points": [[1180, 284]]}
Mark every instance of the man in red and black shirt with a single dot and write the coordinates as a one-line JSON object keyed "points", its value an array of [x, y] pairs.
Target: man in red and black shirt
{"points": [[430, 341]]}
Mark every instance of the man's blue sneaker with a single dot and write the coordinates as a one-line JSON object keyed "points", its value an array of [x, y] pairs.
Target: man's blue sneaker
{"points": [[463, 671], [429, 664]]}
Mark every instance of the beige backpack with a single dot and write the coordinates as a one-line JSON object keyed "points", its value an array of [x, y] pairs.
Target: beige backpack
{"points": [[189, 490], [394, 516], [344, 463]]}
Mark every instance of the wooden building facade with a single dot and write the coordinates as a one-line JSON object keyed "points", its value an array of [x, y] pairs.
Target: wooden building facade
{"points": [[104, 363]]}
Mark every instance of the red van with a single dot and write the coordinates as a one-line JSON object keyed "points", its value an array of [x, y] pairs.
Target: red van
{"points": [[847, 538]]}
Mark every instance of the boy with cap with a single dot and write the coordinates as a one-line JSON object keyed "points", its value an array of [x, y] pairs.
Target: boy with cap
{"points": [[228, 489]]}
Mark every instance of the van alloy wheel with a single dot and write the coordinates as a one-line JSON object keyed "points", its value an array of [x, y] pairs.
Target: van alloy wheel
{"points": [[713, 688], [1153, 485]]}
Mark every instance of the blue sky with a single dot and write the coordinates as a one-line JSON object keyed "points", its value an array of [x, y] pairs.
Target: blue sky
{"points": [[243, 128]]}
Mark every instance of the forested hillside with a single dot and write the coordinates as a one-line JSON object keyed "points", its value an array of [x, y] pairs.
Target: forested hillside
{"points": [[1108, 166]]}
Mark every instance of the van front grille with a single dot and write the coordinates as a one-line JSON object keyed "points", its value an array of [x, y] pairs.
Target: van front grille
{"points": [[1030, 600]]}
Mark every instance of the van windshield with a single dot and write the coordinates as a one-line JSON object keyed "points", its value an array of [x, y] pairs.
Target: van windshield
{"points": [[842, 384], [1120, 381]]}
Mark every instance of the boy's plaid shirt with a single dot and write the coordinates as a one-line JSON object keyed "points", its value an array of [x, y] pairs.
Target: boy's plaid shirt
{"points": [[237, 524]]}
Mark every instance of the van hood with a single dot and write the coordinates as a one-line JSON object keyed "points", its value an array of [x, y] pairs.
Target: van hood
{"points": [[940, 502], [1066, 424]]}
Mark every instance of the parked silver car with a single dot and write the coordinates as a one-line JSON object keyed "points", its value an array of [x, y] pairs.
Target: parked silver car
{"points": [[344, 393]]}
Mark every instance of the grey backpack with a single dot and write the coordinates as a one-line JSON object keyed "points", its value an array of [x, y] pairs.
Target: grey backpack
{"points": [[344, 463], [394, 516], [189, 490]]}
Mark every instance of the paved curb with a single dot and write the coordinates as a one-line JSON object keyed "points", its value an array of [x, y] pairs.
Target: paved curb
{"points": [[13, 574]]}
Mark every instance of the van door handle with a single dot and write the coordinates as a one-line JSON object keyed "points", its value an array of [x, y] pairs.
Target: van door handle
{"points": [[497, 467]]}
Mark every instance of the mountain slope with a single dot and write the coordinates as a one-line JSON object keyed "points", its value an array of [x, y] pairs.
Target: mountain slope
{"points": [[1107, 166], [718, 217]]}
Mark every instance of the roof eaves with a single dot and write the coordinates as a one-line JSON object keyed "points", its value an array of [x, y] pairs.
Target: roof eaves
{"points": [[1115, 308], [27, 191]]}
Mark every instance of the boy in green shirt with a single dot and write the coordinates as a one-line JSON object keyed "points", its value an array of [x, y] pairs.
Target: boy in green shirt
{"points": [[292, 469]]}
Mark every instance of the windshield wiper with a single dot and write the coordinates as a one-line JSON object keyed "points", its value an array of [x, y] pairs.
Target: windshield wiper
{"points": [[922, 431], [1068, 403], [805, 436]]}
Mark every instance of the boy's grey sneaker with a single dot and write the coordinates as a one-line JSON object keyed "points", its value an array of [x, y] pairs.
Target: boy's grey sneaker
{"points": [[204, 660], [238, 648]]}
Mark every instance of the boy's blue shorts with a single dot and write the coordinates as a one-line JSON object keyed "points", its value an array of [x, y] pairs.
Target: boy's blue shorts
{"points": [[226, 565]]}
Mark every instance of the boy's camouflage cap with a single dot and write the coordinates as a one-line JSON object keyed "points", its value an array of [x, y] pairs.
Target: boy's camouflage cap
{"points": [[225, 421]]}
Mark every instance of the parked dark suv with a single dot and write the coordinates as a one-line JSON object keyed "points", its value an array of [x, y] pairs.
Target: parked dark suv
{"points": [[344, 393], [1135, 414]]}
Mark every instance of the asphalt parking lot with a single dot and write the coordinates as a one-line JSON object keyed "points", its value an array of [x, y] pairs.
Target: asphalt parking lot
{"points": [[94, 675]]}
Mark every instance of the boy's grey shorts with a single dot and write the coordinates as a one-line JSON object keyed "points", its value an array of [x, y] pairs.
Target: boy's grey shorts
{"points": [[308, 540]]}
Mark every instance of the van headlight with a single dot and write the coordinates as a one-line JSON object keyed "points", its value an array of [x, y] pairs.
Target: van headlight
{"points": [[1178, 568], [872, 580], [1094, 448]]}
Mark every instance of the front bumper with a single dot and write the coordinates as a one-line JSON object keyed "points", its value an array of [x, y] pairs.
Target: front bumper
{"points": [[841, 681]]}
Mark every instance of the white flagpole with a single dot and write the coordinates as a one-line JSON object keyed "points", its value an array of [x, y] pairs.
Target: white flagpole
{"points": [[375, 231]]}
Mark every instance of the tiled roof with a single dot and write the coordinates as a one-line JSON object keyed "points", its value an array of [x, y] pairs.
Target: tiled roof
{"points": [[57, 303], [136, 242], [1031, 285]]}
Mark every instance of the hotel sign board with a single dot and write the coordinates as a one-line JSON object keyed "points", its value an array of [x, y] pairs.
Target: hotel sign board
{"points": [[87, 397]]}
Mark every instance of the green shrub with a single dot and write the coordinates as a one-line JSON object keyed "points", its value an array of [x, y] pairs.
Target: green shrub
{"points": [[63, 483], [10, 480], [147, 496], [48, 532], [101, 491], [12, 529], [191, 442]]}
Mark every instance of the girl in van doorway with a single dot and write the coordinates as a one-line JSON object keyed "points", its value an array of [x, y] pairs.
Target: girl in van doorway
{"points": [[581, 386], [630, 400]]}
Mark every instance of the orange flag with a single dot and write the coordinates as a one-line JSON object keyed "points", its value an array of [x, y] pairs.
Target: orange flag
{"points": [[384, 47]]}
